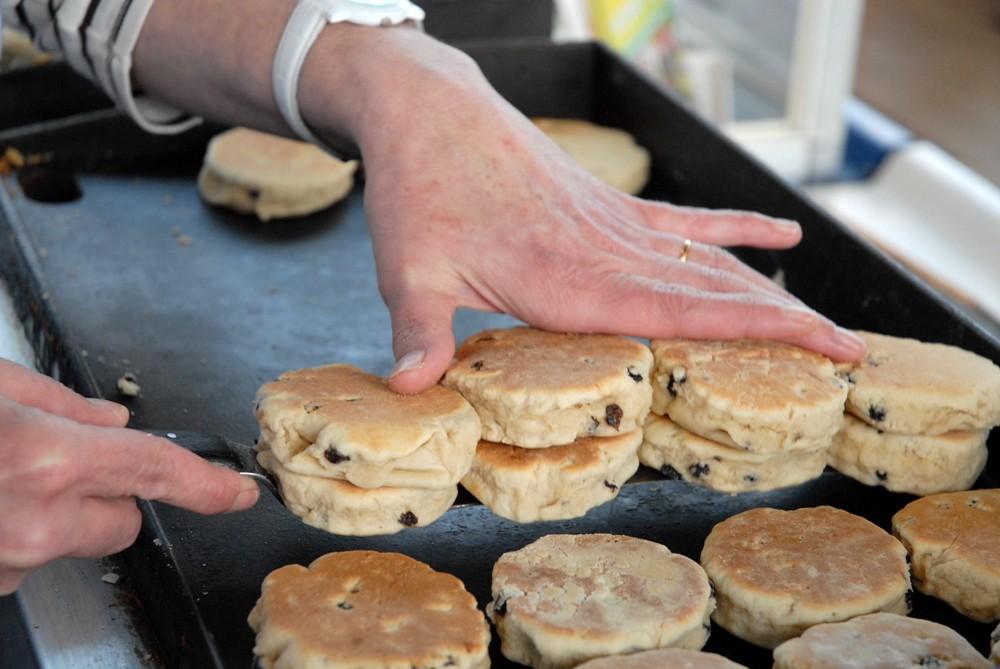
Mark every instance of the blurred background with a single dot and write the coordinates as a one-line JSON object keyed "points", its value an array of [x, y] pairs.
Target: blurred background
{"points": [[887, 112]]}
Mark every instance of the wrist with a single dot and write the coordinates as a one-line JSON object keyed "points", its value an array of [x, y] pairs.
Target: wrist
{"points": [[362, 83]]}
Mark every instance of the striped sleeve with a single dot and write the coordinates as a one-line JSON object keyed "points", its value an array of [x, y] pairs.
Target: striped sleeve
{"points": [[97, 37]]}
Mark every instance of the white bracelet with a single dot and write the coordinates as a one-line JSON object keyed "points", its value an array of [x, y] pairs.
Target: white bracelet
{"points": [[303, 28]]}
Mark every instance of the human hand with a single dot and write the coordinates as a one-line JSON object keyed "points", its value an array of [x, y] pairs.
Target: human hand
{"points": [[470, 205], [70, 475]]}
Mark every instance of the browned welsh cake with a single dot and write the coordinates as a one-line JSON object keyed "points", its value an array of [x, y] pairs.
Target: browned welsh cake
{"points": [[367, 609], [536, 389], [776, 573], [565, 599], [761, 396], [340, 422], [666, 658], [912, 387], [954, 544], [919, 464], [343, 508], [678, 453], [530, 484], [879, 641]]}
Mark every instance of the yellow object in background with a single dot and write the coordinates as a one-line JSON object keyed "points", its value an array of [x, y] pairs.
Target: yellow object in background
{"points": [[629, 26]]}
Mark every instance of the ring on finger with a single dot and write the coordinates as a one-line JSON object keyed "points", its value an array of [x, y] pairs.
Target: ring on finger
{"points": [[685, 250]]}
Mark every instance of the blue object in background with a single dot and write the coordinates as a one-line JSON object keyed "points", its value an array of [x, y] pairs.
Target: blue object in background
{"points": [[871, 137]]}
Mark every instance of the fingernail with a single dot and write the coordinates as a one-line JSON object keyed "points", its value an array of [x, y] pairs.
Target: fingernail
{"points": [[107, 404], [249, 492], [786, 224], [849, 341], [408, 362]]}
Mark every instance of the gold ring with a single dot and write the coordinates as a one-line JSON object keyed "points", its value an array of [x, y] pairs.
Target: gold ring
{"points": [[683, 257]]}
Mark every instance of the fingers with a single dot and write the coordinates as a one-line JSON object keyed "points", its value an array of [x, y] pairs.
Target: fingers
{"points": [[713, 256], [711, 269], [101, 526], [126, 463], [652, 308], [30, 388], [68, 526], [11, 579], [68, 489], [722, 227], [422, 340]]}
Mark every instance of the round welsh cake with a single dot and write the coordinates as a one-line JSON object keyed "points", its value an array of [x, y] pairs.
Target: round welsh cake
{"points": [[342, 508], [879, 641], [530, 484], [914, 463], [272, 177], [610, 154], [339, 422], [535, 389], [777, 573], [954, 544], [912, 387], [665, 658], [367, 610], [677, 453], [565, 599], [761, 396]]}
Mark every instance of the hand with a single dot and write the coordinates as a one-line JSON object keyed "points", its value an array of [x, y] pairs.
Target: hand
{"points": [[470, 205], [70, 475]]}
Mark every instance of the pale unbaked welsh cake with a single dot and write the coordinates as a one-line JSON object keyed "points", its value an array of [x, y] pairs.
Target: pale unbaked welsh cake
{"points": [[530, 484], [879, 641], [610, 154], [565, 599], [367, 610], [272, 177], [536, 389], [917, 464], [679, 454], [339, 422], [776, 573], [761, 396], [911, 387], [954, 544], [343, 508], [666, 658]]}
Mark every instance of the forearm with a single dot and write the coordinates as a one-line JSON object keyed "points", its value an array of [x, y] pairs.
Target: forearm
{"points": [[219, 66]]}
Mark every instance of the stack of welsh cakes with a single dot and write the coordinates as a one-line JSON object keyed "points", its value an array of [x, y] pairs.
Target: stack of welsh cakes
{"points": [[918, 415], [352, 457], [739, 416], [561, 418]]}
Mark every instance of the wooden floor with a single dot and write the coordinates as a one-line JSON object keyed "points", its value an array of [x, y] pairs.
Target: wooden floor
{"points": [[934, 66]]}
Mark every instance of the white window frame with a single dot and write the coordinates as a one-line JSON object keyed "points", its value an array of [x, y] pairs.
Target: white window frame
{"points": [[807, 143]]}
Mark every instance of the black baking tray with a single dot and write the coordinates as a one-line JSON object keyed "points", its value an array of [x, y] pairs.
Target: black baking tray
{"points": [[106, 288], [46, 92]]}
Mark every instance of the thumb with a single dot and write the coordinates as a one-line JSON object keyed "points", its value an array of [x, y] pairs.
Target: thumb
{"points": [[422, 340]]}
